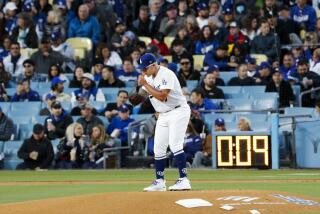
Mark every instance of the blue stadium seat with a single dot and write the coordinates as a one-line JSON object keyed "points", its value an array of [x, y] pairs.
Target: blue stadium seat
{"points": [[227, 75], [131, 83], [136, 109], [265, 104], [105, 121], [27, 108], [11, 159], [298, 111], [231, 89], [25, 131], [98, 105], [40, 119], [296, 91], [44, 86], [210, 118], [11, 91], [253, 89], [55, 144], [21, 117], [264, 96], [5, 107], [240, 104], [253, 117], [260, 126], [138, 117], [69, 75], [233, 96], [192, 84], [231, 126]]}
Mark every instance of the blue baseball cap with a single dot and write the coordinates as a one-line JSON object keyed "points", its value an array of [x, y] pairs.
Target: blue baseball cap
{"points": [[60, 3], [55, 36], [219, 122], [264, 65], [202, 6], [213, 68], [146, 60], [50, 96], [250, 60], [56, 80], [124, 108], [227, 10]]}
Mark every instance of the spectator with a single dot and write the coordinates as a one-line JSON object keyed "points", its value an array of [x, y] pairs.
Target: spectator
{"points": [[242, 78], [6, 126], [76, 81], [244, 124], [25, 93], [211, 91], [169, 25], [128, 43], [48, 101], [89, 89], [5, 76], [119, 30], [5, 48], [207, 41], [203, 14], [183, 36], [216, 75], [263, 75], [118, 128], [219, 57], [142, 26], [288, 66], [72, 149], [99, 141], [45, 57], [192, 27], [81, 101], [204, 158], [304, 15], [158, 41], [128, 72], [236, 37], [184, 9], [282, 87], [250, 27], [88, 120], [108, 56], [192, 143], [111, 109], [314, 62], [109, 80], [10, 19], [56, 71], [54, 25], [29, 73], [266, 43], [200, 103], [57, 89], [24, 33], [3, 93], [84, 25], [13, 62], [156, 14], [36, 151], [227, 16], [299, 54], [42, 9], [60, 45], [215, 9], [186, 71], [58, 121], [179, 52], [96, 70], [135, 56], [251, 64]]}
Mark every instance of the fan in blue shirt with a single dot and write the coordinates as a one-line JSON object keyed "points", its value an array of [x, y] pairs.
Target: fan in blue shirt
{"points": [[127, 73], [25, 93]]}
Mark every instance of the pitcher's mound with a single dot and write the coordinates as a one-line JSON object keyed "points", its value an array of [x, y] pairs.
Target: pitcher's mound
{"points": [[164, 203]]}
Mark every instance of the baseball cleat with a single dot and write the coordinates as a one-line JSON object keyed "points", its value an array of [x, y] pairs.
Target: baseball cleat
{"points": [[181, 184], [158, 185]]}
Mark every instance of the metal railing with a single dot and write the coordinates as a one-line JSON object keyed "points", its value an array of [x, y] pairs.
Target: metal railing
{"points": [[307, 92]]}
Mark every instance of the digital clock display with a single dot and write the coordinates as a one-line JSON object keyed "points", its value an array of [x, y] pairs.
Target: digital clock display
{"points": [[243, 152]]}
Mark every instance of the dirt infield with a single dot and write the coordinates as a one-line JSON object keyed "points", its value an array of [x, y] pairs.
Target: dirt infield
{"points": [[161, 202]]}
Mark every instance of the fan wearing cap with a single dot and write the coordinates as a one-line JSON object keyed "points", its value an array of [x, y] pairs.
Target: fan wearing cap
{"points": [[24, 92], [118, 128], [84, 25], [216, 75], [10, 19], [227, 13], [13, 62], [203, 14], [166, 96], [57, 89], [128, 72], [242, 78], [49, 99], [111, 110], [119, 29], [88, 89], [36, 151], [169, 25], [25, 33], [209, 88], [236, 37], [263, 75], [251, 64], [45, 56], [28, 72], [6, 126], [282, 87], [219, 57], [204, 158], [76, 111], [96, 69], [88, 120], [58, 121]]}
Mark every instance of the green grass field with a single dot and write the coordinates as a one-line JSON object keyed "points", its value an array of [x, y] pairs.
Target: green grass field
{"points": [[304, 182]]}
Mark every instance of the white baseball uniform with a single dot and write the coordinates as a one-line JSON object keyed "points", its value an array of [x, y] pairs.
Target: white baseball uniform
{"points": [[174, 114]]}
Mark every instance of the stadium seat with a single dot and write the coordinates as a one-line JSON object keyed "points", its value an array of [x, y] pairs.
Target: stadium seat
{"points": [[131, 83], [55, 144], [233, 95], [265, 104], [25, 108], [260, 126], [5, 107], [168, 40], [253, 89], [40, 119], [253, 117], [264, 96], [98, 105], [227, 75], [136, 109], [210, 118], [145, 39], [11, 159], [27, 52], [104, 120], [240, 104], [169, 58], [1, 147], [44, 86], [231, 89], [198, 62], [11, 91], [259, 58], [80, 43], [25, 131], [296, 91], [79, 54], [298, 111], [192, 84], [231, 126], [138, 117]]}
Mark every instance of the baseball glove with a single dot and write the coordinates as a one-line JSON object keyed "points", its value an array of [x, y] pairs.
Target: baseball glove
{"points": [[136, 99]]}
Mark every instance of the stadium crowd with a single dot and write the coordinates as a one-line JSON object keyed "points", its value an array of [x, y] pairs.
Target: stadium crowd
{"points": [[268, 42]]}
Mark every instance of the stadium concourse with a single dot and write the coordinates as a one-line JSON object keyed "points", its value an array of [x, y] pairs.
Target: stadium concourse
{"points": [[68, 69]]}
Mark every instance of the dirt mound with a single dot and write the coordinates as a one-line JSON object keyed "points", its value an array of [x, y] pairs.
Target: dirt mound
{"points": [[163, 202]]}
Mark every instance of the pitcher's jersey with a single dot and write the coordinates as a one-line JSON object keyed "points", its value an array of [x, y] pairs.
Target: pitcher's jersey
{"points": [[166, 79]]}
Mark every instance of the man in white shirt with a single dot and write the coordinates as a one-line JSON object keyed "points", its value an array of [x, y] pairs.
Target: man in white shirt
{"points": [[166, 96], [203, 15], [14, 62]]}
